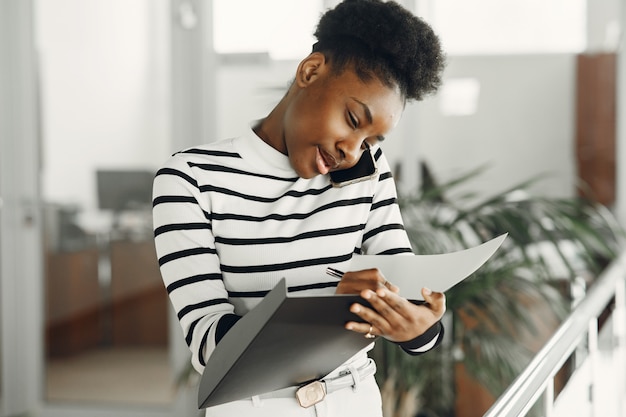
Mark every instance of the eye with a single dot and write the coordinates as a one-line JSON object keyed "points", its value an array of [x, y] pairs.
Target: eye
{"points": [[354, 122]]}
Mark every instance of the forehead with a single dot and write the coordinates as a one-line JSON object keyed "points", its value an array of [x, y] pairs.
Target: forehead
{"points": [[384, 103]]}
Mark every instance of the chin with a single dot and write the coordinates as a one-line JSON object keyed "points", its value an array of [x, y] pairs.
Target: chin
{"points": [[307, 175], [305, 172]]}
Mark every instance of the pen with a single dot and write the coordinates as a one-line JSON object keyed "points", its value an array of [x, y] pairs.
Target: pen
{"points": [[334, 272]]}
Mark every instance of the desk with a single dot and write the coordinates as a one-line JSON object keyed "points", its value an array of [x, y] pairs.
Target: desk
{"points": [[83, 312], [73, 301], [139, 301]]}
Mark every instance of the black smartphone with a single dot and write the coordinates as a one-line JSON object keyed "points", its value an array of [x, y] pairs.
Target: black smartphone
{"points": [[364, 170]]}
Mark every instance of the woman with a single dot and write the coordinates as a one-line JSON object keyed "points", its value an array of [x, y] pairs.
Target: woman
{"points": [[235, 216]]}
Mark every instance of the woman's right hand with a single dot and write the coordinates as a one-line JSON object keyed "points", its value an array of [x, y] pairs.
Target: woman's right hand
{"points": [[368, 279]]}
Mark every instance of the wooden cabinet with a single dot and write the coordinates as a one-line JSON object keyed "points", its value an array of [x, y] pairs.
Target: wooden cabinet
{"points": [[596, 125], [124, 305], [139, 301], [73, 302]]}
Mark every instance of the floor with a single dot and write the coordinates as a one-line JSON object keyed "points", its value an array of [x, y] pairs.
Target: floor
{"points": [[137, 376], [143, 376]]}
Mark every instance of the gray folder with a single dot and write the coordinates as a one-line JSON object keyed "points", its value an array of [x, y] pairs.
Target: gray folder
{"points": [[284, 341]]}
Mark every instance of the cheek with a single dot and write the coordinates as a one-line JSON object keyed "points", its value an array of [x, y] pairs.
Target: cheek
{"points": [[296, 117], [313, 119], [303, 127]]}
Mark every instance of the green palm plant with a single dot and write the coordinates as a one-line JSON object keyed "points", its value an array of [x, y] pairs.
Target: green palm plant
{"points": [[550, 241]]}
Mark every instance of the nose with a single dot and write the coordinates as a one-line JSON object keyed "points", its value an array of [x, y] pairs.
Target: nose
{"points": [[350, 150]]}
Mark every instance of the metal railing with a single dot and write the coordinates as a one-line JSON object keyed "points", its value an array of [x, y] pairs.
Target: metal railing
{"points": [[537, 379]]}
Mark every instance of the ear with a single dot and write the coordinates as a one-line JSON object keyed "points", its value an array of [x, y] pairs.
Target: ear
{"points": [[310, 69]]}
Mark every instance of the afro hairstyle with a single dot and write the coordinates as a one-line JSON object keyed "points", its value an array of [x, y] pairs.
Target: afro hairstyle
{"points": [[383, 40]]}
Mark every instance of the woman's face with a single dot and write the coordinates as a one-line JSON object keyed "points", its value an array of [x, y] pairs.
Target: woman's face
{"points": [[329, 117]]}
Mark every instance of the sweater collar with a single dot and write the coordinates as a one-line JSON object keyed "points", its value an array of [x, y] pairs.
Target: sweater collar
{"points": [[257, 152]]}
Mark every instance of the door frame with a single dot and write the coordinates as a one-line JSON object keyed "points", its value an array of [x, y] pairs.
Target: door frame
{"points": [[22, 383], [19, 217]]}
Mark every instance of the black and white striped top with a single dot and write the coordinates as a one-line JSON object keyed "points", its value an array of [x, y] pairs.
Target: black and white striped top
{"points": [[232, 218]]}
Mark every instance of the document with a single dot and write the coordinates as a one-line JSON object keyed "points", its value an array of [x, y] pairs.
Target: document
{"points": [[438, 272], [287, 341]]}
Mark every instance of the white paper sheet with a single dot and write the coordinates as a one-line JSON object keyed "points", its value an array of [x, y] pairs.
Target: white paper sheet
{"points": [[437, 272]]}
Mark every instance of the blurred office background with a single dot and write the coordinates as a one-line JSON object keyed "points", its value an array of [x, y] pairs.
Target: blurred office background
{"points": [[96, 94]]}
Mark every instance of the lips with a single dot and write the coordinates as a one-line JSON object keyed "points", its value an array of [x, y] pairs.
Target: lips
{"points": [[325, 161]]}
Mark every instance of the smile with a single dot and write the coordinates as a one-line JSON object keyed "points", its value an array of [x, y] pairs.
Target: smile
{"points": [[325, 161]]}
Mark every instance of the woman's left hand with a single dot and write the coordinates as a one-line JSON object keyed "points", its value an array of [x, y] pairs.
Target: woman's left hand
{"points": [[394, 317]]}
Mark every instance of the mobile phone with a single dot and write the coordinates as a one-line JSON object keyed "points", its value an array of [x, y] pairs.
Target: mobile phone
{"points": [[364, 170]]}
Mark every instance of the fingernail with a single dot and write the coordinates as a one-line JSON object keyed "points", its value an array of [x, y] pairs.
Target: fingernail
{"points": [[355, 308], [427, 291]]}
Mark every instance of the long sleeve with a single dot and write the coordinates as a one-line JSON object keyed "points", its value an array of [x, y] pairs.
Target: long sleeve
{"points": [[187, 257], [385, 235], [232, 218]]}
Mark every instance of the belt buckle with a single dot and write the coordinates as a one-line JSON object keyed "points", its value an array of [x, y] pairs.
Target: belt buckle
{"points": [[311, 394]]}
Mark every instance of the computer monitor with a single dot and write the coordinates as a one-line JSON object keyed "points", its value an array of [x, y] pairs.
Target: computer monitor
{"points": [[124, 190]]}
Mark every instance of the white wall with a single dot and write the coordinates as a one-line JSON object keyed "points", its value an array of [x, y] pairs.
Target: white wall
{"points": [[524, 124], [247, 92], [106, 107], [104, 92]]}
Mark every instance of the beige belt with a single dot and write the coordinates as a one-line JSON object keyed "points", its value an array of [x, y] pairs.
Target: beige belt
{"points": [[314, 392]]}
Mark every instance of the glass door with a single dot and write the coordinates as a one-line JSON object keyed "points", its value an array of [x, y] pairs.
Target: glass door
{"points": [[104, 74], [86, 117]]}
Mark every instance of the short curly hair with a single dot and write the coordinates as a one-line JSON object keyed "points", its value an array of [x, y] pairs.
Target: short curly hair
{"points": [[384, 40]]}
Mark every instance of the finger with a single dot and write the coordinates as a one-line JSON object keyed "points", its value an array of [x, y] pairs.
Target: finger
{"points": [[390, 305], [379, 279], [386, 305], [370, 316], [368, 330], [391, 287], [371, 332], [426, 293], [355, 281], [435, 300]]}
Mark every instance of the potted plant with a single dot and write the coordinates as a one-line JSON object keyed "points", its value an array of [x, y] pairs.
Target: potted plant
{"points": [[497, 318]]}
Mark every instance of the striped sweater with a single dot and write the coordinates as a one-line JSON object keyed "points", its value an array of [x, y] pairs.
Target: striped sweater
{"points": [[232, 218]]}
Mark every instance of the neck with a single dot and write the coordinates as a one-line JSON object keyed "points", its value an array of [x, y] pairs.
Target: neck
{"points": [[270, 129], [260, 131]]}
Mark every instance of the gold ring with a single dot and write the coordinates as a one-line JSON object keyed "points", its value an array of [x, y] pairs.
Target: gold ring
{"points": [[369, 334]]}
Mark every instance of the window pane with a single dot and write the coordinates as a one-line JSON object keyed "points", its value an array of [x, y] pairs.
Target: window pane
{"points": [[509, 26], [283, 28]]}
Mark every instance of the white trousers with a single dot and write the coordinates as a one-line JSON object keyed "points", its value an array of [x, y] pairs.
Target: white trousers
{"points": [[362, 401]]}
